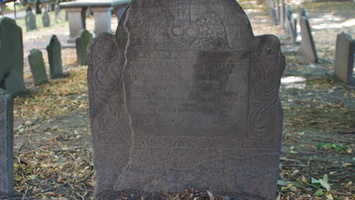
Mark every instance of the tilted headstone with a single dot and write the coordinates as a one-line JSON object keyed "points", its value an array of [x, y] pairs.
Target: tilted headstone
{"points": [[344, 59], [81, 43], [55, 58], [185, 96], [11, 56], [30, 21], [39, 75], [6, 145], [290, 25], [45, 19], [307, 48]]}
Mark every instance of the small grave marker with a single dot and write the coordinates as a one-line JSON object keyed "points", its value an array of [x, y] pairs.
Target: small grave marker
{"points": [[82, 42], [30, 21], [185, 96], [45, 19], [307, 48], [11, 56], [344, 59], [55, 58], [37, 66], [6, 145]]}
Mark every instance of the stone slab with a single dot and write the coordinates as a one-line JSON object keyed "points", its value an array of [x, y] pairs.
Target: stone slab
{"points": [[307, 48], [344, 59], [38, 70], [55, 58], [45, 19], [185, 96], [6, 145], [30, 19], [11, 56], [82, 42]]}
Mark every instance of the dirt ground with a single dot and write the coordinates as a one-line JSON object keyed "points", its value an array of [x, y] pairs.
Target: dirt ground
{"points": [[52, 133]]}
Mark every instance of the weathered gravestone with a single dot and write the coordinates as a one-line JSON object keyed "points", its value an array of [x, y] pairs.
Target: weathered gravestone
{"points": [[30, 21], [11, 56], [38, 70], [291, 24], [185, 96], [344, 59], [55, 58], [81, 43], [6, 145], [45, 19], [307, 48]]}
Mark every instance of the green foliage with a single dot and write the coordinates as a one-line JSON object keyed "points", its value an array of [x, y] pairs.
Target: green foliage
{"points": [[337, 147]]}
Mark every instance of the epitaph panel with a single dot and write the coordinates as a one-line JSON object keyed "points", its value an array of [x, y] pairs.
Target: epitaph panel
{"points": [[184, 95]]}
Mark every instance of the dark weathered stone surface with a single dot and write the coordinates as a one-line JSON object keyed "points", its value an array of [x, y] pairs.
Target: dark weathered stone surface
{"points": [[55, 58], [6, 144], [82, 42], [185, 96], [307, 48], [344, 59], [11, 56], [290, 25], [39, 75], [30, 21], [45, 19]]}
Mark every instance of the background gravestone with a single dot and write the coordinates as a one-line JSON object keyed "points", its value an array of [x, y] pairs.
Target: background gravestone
{"points": [[344, 59], [81, 43], [307, 48], [6, 145], [55, 58], [39, 75], [45, 19], [30, 21], [185, 96], [11, 56]]}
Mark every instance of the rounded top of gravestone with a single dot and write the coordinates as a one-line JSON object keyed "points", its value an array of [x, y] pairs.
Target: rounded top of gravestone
{"points": [[208, 25]]}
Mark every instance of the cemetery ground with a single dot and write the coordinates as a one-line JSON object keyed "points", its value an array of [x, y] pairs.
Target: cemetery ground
{"points": [[52, 133]]}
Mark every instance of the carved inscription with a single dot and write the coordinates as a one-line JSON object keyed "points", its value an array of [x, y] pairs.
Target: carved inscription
{"points": [[171, 93], [188, 98]]}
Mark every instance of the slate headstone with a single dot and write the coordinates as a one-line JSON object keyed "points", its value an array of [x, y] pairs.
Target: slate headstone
{"points": [[344, 59], [81, 43], [39, 75], [307, 48], [185, 96], [37, 5], [45, 19], [6, 145], [55, 58], [290, 24], [30, 21], [11, 56]]}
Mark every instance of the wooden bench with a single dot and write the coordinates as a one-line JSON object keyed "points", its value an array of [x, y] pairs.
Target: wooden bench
{"points": [[102, 9]]}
